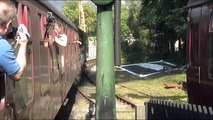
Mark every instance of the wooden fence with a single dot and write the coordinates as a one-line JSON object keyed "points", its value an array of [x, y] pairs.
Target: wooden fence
{"points": [[161, 109]]}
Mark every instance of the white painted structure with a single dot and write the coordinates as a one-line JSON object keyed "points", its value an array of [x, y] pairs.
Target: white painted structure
{"points": [[92, 43]]}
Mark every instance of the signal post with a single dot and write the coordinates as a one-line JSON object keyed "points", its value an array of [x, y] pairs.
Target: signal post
{"points": [[105, 76]]}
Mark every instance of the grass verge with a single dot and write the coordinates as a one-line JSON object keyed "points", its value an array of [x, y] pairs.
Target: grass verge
{"points": [[153, 87]]}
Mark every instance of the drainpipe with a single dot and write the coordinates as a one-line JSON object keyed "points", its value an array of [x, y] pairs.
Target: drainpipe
{"points": [[117, 24]]}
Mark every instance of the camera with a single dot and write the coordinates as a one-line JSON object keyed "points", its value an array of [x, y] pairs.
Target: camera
{"points": [[11, 33]]}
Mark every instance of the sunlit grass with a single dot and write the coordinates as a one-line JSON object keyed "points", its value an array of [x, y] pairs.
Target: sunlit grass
{"points": [[154, 87]]}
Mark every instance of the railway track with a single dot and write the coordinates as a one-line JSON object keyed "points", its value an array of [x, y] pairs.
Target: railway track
{"points": [[90, 63], [147, 95], [84, 107], [85, 99]]}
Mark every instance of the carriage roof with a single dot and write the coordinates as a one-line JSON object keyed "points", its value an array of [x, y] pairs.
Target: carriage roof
{"points": [[193, 3], [56, 12]]}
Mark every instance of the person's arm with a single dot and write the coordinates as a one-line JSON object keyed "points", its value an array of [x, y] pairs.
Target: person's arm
{"points": [[21, 57]]}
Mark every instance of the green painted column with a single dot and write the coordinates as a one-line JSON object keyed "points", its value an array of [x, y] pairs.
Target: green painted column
{"points": [[105, 76]]}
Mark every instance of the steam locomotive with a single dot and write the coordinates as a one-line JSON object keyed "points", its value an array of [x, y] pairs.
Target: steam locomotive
{"points": [[51, 69], [200, 52]]}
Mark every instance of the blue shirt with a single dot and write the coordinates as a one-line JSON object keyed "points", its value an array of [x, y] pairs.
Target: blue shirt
{"points": [[8, 62]]}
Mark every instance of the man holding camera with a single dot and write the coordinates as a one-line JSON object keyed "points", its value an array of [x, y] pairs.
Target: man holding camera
{"points": [[13, 66]]}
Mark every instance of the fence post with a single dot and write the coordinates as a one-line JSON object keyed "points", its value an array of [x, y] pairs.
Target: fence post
{"points": [[140, 112]]}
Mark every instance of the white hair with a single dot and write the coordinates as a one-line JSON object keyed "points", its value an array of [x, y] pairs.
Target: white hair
{"points": [[7, 12]]}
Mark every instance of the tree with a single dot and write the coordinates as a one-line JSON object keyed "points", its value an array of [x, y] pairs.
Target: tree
{"points": [[137, 52], [125, 31], [166, 21], [133, 22], [71, 11]]}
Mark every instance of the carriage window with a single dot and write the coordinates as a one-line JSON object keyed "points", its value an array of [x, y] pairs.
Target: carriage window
{"points": [[44, 59], [42, 20], [55, 63], [211, 22], [44, 68], [194, 43], [24, 87], [61, 59], [2, 91], [2, 103], [69, 57], [211, 55]]}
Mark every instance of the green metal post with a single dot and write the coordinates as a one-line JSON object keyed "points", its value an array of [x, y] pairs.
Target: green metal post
{"points": [[105, 76]]}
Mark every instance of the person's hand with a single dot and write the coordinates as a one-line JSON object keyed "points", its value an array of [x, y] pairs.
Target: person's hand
{"points": [[22, 34]]}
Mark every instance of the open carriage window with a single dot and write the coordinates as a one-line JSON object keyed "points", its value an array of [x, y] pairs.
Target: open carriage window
{"points": [[211, 22], [44, 57], [2, 91], [210, 46], [210, 49], [194, 43], [24, 88]]}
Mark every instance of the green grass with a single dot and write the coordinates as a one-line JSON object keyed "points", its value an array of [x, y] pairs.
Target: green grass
{"points": [[153, 86]]}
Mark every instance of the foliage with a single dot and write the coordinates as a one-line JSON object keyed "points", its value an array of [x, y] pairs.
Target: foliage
{"points": [[137, 52], [166, 21], [155, 24], [133, 23], [125, 30], [71, 11], [155, 27]]}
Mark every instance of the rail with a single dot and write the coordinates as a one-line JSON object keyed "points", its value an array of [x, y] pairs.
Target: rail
{"points": [[90, 63], [139, 110], [85, 96]]}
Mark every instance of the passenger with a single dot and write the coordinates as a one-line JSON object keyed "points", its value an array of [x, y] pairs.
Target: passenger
{"points": [[13, 66], [59, 38]]}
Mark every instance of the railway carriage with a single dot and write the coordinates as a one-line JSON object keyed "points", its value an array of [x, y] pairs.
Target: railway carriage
{"points": [[200, 52], [51, 70]]}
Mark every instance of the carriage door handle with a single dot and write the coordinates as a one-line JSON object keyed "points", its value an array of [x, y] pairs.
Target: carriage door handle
{"points": [[198, 74]]}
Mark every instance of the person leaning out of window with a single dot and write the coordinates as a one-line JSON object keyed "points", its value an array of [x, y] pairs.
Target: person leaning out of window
{"points": [[10, 64]]}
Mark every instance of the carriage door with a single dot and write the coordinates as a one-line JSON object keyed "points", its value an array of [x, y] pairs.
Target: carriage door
{"points": [[24, 88], [193, 71], [193, 61], [210, 46]]}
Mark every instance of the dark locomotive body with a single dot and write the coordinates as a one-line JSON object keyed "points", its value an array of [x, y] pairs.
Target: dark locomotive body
{"points": [[200, 52], [50, 71]]}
